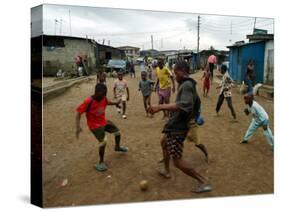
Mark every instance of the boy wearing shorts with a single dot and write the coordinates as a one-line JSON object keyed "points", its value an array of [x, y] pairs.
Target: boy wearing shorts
{"points": [[192, 136], [164, 81], [176, 128], [94, 107], [121, 92]]}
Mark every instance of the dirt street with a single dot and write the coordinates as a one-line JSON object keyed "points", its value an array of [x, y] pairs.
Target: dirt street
{"points": [[235, 169]]}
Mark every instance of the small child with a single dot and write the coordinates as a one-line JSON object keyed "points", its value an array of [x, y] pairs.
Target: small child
{"points": [[101, 77], [146, 87], [207, 82], [121, 92], [260, 119], [95, 107]]}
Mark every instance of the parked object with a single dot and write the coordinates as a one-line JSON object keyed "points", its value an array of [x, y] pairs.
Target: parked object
{"points": [[117, 65]]}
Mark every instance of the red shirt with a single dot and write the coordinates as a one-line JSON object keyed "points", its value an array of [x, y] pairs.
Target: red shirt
{"points": [[96, 113]]}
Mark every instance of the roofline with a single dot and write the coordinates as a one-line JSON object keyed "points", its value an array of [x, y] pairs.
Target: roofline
{"points": [[63, 36], [132, 47], [245, 44]]}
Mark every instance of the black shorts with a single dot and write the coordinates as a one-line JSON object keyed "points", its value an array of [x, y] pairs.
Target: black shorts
{"points": [[174, 144], [100, 132]]}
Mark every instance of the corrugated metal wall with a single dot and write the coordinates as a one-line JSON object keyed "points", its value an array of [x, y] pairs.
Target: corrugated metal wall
{"points": [[240, 56]]}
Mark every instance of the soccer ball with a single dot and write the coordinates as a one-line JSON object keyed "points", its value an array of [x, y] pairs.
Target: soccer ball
{"points": [[144, 185]]}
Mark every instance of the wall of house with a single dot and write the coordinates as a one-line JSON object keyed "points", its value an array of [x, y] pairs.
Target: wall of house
{"points": [[269, 62], [233, 63], [55, 58], [239, 58], [106, 53]]}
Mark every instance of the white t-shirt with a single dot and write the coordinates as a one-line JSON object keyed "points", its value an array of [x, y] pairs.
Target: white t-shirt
{"points": [[258, 113]]}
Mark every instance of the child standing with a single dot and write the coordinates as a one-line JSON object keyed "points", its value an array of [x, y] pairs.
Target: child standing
{"points": [[146, 87], [166, 84], [206, 82], [225, 92], [121, 92], [101, 77], [260, 119], [95, 107]]}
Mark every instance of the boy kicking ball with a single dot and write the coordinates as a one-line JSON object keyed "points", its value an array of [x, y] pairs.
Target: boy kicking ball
{"points": [[94, 107], [260, 119], [176, 128]]}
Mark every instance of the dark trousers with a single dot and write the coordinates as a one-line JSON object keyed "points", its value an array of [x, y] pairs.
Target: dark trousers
{"points": [[229, 104], [211, 67]]}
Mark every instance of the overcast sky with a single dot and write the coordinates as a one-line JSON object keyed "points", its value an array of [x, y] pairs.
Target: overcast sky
{"points": [[170, 30]]}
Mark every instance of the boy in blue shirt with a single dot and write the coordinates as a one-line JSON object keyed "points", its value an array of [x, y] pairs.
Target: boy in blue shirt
{"points": [[260, 119], [146, 87]]}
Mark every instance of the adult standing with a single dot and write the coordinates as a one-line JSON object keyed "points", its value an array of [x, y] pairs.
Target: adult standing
{"points": [[250, 77], [212, 60]]}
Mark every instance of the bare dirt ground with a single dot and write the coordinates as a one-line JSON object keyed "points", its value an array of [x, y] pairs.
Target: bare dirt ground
{"points": [[235, 169]]}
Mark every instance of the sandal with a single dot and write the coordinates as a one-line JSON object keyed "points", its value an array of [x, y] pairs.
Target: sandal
{"points": [[101, 167], [122, 149]]}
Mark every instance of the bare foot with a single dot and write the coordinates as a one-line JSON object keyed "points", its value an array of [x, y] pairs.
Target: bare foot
{"points": [[161, 161], [165, 174]]}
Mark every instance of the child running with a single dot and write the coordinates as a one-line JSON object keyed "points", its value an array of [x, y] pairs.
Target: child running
{"points": [[95, 107], [225, 92], [193, 136], [101, 77], [260, 119], [121, 92], [176, 128], [146, 87], [207, 82]]}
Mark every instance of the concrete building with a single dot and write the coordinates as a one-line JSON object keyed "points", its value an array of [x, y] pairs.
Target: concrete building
{"points": [[106, 53], [58, 52], [132, 53]]}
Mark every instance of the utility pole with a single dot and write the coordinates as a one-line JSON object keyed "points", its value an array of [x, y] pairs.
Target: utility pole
{"points": [[109, 42], [70, 30], [61, 26], [151, 41], [230, 40], [56, 21], [198, 40], [254, 24]]}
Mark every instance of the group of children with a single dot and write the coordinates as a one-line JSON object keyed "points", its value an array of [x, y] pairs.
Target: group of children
{"points": [[183, 116]]}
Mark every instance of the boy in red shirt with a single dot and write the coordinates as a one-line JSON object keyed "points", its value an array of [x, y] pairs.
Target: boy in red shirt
{"points": [[94, 107]]}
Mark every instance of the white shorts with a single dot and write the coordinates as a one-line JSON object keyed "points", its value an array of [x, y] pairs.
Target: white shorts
{"points": [[123, 97]]}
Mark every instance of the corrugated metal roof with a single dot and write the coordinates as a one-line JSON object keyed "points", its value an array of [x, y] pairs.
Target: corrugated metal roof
{"points": [[244, 44]]}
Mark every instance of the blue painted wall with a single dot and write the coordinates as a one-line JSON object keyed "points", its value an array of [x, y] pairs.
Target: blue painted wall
{"points": [[239, 57]]}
